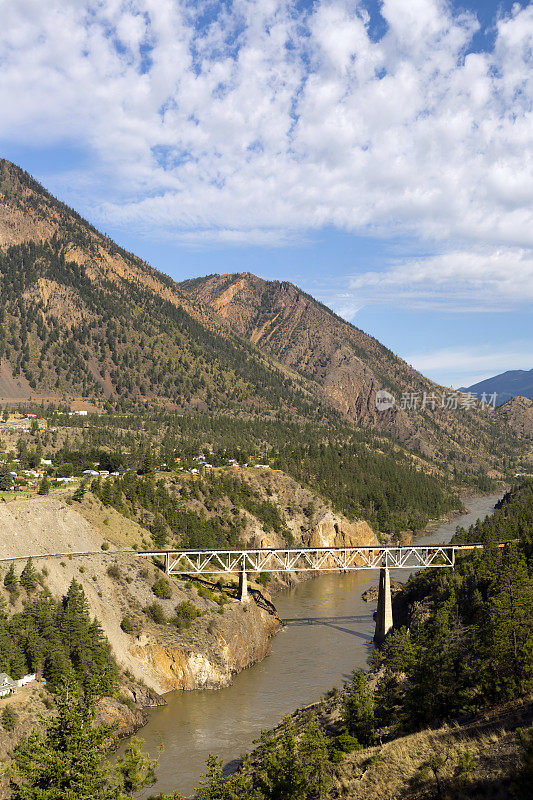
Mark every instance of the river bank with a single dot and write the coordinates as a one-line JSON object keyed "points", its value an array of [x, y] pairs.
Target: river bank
{"points": [[327, 633]]}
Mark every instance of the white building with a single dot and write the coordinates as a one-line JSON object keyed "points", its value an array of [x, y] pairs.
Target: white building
{"points": [[7, 686], [26, 679]]}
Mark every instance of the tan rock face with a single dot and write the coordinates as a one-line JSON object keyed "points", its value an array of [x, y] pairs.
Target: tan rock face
{"points": [[243, 640], [335, 531]]}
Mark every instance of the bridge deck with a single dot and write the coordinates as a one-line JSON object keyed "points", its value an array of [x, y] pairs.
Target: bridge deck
{"points": [[308, 559]]}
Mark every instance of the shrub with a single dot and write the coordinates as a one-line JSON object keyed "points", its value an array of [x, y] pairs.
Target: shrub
{"points": [[206, 593], [113, 571], [186, 612], [347, 743], [9, 719], [156, 613], [104, 546], [126, 625], [162, 589]]}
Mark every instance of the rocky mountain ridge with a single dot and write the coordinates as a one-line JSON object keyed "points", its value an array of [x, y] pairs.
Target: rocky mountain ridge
{"points": [[81, 318]]}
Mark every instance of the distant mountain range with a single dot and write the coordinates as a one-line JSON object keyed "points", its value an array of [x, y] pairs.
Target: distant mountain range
{"points": [[82, 318], [513, 383]]}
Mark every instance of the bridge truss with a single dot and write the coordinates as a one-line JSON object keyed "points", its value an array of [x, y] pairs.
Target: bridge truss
{"points": [[307, 559]]}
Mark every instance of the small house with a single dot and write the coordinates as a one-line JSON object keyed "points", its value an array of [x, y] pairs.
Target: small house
{"points": [[7, 686]]}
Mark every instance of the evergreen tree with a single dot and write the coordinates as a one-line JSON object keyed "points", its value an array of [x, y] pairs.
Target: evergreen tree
{"points": [[283, 775], [521, 786], [107, 493], [28, 577], [159, 531], [68, 759], [44, 486], [9, 719], [10, 580], [5, 478], [358, 709], [79, 493]]}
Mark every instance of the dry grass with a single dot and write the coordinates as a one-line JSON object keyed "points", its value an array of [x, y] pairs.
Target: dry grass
{"points": [[411, 767]]}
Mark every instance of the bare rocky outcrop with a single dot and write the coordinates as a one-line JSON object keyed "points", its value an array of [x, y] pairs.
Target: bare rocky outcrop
{"points": [[238, 640]]}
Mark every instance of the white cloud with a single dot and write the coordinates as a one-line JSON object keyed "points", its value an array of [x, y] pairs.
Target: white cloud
{"points": [[267, 121], [483, 279], [464, 366]]}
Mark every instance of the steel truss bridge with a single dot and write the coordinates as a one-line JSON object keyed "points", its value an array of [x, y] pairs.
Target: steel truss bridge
{"points": [[307, 559], [316, 559]]}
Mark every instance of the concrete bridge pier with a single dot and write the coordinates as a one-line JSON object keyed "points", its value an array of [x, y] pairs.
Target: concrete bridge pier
{"points": [[243, 586], [384, 612]]}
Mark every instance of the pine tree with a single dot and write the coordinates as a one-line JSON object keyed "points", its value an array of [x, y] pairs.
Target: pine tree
{"points": [[28, 577], [79, 493], [158, 529], [284, 775], [10, 580], [107, 492], [314, 754], [9, 719], [5, 478], [358, 710], [44, 486], [68, 759]]}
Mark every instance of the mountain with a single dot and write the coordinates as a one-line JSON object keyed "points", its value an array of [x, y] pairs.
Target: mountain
{"points": [[345, 367], [513, 383], [517, 415], [82, 318]]}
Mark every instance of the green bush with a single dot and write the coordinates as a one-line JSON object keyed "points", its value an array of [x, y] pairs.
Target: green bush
{"points": [[206, 593], [185, 613], [156, 613], [347, 743], [9, 719], [162, 589], [126, 625], [104, 546]]}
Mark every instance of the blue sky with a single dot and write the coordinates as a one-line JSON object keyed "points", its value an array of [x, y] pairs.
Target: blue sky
{"points": [[379, 155]]}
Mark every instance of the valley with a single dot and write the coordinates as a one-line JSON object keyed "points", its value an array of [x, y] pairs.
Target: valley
{"points": [[140, 414]]}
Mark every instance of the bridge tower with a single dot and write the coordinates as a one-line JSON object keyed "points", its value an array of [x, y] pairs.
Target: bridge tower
{"points": [[384, 612]]}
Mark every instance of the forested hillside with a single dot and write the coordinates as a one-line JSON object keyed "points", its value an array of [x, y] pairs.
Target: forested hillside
{"points": [[81, 318], [345, 366], [357, 473], [56, 639]]}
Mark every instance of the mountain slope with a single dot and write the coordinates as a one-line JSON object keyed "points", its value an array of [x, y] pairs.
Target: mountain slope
{"points": [[80, 317], [344, 365], [513, 383]]}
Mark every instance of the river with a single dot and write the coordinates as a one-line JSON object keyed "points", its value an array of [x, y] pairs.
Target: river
{"points": [[327, 633]]}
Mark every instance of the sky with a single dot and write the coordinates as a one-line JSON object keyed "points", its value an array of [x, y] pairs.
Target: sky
{"points": [[377, 154]]}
